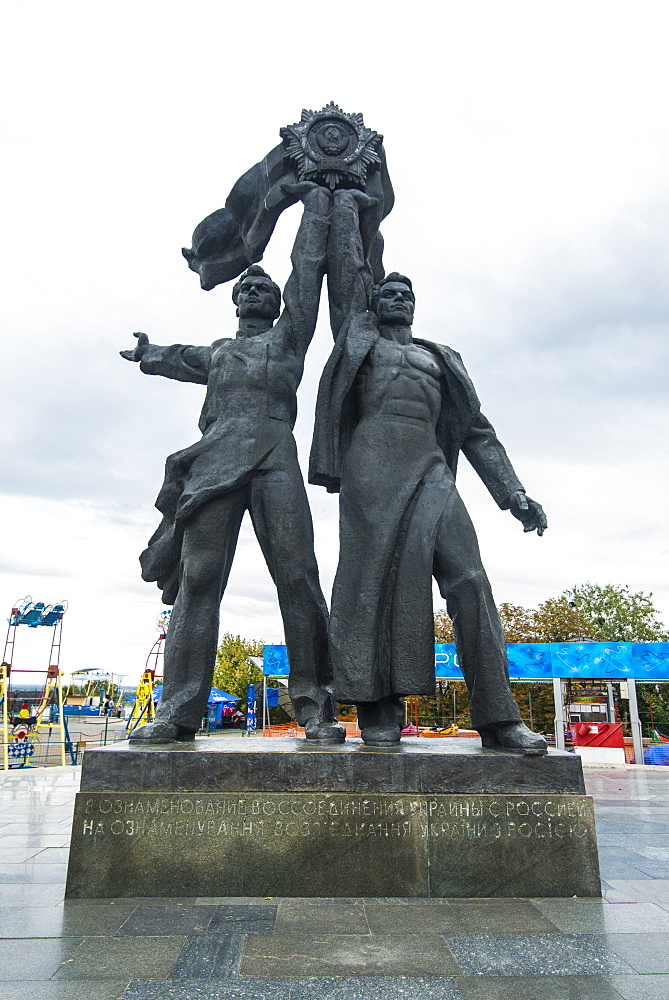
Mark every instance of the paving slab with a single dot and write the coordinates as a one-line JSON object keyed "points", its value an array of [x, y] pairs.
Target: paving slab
{"points": [[591, 916], [209, 957], [147, 921], [19, 874], [243, 919], [647, 952], [641, 987], [103, 958], [25, 894], [62, 921], [107, 990], [23, 961], [376, 988], [337, 955], [299, 918], [536, 955], [265, 988], [537, 988]]}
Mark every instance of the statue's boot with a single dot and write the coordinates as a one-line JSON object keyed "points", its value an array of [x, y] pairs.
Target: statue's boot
{"points": [[161, 732], [512, 736], [324, 733], [381, 721]]}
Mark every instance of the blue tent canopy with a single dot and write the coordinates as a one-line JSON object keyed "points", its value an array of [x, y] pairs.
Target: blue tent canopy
{"points": [[215, 696]]}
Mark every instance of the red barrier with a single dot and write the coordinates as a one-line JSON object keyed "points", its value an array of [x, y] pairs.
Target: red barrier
{"points": [[600, 734]]}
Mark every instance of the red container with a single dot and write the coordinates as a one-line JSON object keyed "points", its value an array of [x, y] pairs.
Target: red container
{"points": [[600, 734]]}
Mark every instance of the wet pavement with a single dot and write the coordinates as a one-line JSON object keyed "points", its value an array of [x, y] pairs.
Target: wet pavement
{"points": [[345, 949]]}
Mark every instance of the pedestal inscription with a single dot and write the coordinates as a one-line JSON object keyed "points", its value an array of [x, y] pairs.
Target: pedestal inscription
{"points": [[331, 844]]}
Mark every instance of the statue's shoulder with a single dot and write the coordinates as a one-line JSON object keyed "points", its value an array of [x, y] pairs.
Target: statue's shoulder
{"points": [[221, 342], [442, 351]]}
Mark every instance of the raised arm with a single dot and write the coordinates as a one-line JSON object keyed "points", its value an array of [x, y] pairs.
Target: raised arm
{"points": [[180, 361], [349, 273], [303, 289], [487, 455]]}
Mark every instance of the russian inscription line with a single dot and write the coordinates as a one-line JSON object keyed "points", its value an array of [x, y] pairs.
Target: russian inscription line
{"points": [[220, 816]]}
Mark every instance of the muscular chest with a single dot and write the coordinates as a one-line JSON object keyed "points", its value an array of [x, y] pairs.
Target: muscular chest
{"points": [[401, 365]]}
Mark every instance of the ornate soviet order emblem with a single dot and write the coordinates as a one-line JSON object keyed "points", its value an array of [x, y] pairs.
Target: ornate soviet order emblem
{"points": [[332, 148]]}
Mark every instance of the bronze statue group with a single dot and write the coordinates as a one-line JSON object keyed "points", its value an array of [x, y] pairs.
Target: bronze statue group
{"points": [[393, 415]]}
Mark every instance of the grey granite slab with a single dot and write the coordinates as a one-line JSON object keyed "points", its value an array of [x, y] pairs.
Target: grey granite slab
{"points": [[376, 988], [537, 988], [148, 921], [284, 764], [22, 961], [641, 987], [45, 874], [243, 919], [536, 955], [102, 958], [425, 919], [209, 957], [25, 894], [265, 988], [300, 918], [51, 856], [649, 889], [498, 916], [335, 955], [591, 916], [63, 920], [645, 952], [106, 990]]}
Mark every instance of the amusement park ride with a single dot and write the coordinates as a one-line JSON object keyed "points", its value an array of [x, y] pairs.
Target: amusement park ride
{"points": [[26, 716], [144, 707]]}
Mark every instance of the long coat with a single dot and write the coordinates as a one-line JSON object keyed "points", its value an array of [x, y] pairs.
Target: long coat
{"points": [[395, 488]]}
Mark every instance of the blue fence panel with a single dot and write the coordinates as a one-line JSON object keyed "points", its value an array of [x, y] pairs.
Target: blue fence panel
{"points": [[650, 660], [531, 660], [446, 663], [604, 660], [646, 661]]}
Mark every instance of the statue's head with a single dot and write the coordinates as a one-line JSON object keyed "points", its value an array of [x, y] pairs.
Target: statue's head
{"points": [[393, 300], [256, 295]]}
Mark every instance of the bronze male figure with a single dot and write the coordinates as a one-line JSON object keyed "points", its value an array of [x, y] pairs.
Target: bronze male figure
{"points": [[393, 414], [245, 460]]}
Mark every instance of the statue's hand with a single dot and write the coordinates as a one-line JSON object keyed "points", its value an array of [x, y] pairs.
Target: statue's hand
{"points": [[353, 197], [140, 349], [315, 198], [529, 512]]}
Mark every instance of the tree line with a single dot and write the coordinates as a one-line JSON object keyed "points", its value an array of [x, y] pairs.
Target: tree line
{"points": [[588, 612]]}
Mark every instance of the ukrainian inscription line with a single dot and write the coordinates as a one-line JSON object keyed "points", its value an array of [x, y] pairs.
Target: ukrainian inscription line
{"points": [[227, 816]]}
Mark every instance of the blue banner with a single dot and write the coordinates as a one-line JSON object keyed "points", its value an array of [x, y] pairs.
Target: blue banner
{"points": [[251, 708], [275, 661], [645, 661], [531, 660], [650, 661], [605, 660], [446, 662]]}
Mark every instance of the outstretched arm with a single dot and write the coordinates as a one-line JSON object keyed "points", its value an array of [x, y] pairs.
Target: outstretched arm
{"points": [[180, 362], [486, 454], [303, 289], [349, 274]]}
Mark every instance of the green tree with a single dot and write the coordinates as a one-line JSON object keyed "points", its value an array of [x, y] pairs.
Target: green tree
{"points": [[553, 621], [234, 671], [615, 613]]}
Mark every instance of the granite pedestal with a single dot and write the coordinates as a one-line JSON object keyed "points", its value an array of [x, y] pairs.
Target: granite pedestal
{"points": [[278, 817]]}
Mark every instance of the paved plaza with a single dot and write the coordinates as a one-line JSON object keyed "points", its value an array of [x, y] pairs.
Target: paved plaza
{"points": [[345, 949]]}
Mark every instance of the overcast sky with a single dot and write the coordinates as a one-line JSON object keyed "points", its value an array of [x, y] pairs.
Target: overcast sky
{"points": [[528, 147]]}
